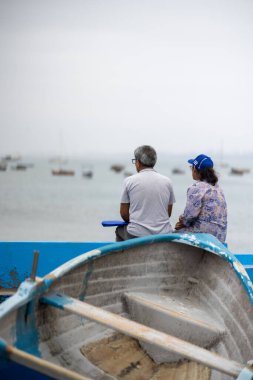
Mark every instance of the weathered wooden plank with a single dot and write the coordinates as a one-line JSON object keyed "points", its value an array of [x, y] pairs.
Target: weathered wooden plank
{"points": [[174, 309], [144, 333]]}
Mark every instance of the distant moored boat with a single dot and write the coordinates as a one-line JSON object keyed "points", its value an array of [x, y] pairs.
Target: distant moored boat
{"points": [[88, 173], [63, 172], [9, 157], [237, 171], [20, 167], [117, 168], [177, 171]]}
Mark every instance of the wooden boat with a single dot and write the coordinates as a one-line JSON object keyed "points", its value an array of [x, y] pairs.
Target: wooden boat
{"points": [[237, 171], [178, 171], [183, 300], [117, 168], [21, 166], [63, 172]]}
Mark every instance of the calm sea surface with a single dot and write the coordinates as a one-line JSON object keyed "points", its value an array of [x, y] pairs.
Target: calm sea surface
{"points": [[37, 206]]}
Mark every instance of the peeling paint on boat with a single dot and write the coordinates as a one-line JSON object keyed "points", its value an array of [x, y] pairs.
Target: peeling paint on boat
{"points": [[27, 335]]}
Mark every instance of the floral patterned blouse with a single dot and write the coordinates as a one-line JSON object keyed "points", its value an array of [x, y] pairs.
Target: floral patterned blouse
{"points": [[206, 210]]}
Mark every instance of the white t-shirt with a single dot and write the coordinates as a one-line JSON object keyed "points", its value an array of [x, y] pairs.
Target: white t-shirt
{"points": [[149, 194]]}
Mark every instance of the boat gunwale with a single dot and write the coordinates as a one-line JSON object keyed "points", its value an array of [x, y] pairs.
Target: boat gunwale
{"points": [[30, 289], [203, 241]]}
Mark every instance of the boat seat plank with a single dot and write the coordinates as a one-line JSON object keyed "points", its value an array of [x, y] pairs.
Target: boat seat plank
{"points": [[175, 315], [145, 333], [181, 309]]}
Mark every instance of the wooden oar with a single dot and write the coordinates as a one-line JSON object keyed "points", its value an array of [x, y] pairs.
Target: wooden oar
{"points": [[40, 365], [144, 333], [7, 291]]}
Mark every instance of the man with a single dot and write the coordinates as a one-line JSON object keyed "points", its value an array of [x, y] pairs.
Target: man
{"points": [[147, 199]]}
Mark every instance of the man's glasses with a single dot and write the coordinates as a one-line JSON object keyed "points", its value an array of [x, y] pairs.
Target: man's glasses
{"points": [[134, 160]]}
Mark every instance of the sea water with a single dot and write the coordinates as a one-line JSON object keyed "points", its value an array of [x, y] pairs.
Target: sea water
{"points": [[37, 206]]}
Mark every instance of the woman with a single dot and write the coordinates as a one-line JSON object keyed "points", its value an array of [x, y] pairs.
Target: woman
{"points": [[206, 208]]}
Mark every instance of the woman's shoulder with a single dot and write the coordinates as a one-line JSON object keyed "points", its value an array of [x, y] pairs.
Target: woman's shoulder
{"points": [[200, 184], [199, 187], [207, 188]]}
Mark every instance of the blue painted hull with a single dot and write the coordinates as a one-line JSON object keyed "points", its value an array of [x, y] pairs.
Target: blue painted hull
{"points": [[16, 371], [246, 260], [16, 258]]}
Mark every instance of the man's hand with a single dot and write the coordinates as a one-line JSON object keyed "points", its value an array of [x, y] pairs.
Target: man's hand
{"points": [[179, 224]]}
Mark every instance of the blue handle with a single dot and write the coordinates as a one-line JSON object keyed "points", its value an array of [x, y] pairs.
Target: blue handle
{"points": [[112, 223]]}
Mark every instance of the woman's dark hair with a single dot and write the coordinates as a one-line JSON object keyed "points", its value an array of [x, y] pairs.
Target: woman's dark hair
{"points": [[208, 175]]}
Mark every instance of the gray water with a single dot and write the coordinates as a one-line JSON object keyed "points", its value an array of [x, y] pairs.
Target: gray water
{"points": [[37, 206]]}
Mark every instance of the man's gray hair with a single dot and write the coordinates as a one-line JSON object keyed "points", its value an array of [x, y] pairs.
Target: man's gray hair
{"points": [[146, 155]]}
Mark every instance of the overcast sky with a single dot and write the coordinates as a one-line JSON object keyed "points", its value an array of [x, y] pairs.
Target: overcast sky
{"points": [[109, 75]]}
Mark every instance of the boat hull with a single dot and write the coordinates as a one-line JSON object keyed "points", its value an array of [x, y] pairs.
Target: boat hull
{"points": [[188, 270]]}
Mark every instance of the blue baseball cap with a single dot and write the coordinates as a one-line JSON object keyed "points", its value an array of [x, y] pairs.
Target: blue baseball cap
{"points": [[201, 162]]}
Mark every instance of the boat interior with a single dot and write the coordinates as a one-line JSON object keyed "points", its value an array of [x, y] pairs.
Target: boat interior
{"points": [[164, 311]]}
